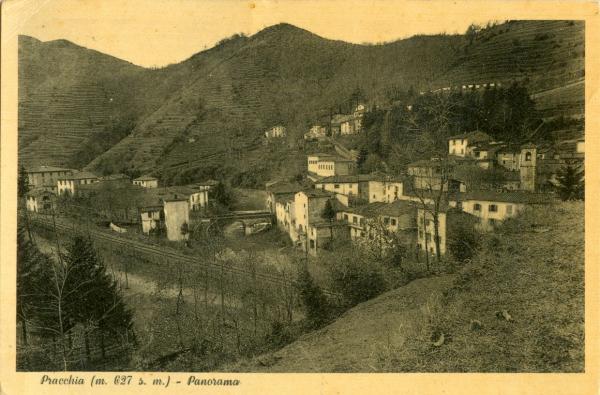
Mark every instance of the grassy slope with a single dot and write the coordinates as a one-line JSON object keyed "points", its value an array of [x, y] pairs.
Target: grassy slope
{"points": [[536, 277]]}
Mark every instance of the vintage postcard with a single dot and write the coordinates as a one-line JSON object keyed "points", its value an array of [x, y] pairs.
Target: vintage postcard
{"points": [[205, 196]]}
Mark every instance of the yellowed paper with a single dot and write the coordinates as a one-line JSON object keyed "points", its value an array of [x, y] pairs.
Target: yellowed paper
{"points": [[156, 33]]}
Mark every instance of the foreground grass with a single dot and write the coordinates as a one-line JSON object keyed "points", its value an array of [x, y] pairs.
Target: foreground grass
{"points": [[517, 307]]}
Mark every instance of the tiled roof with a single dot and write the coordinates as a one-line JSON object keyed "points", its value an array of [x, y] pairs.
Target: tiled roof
{"points": [[115, 177], [394, 209], [317, 193], [145, 178], [284, 187], [473, 136], [79, 175], [347, 178], [509, 197], [43, 168]]}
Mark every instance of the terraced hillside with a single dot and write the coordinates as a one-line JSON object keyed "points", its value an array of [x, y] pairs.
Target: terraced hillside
{"points": [[68, 93], [213, 108], [260, 81], [549, 55]]}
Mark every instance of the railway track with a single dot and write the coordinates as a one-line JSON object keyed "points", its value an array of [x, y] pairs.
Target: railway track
{"points": [[165, 252]]}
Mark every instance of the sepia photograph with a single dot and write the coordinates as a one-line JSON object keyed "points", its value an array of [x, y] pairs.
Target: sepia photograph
{"points": [[296, 196]]}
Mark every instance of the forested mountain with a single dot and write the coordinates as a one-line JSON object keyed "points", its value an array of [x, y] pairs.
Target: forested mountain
{"points": [[82, 108]]}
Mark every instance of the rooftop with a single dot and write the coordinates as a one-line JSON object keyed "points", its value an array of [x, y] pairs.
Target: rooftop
{"points": [[146, 178], [79, 175], [316, 193], [509, 197], [115, 177], [394, 209], [43, 169], [347, 178], [284, 187], [473, 136]]}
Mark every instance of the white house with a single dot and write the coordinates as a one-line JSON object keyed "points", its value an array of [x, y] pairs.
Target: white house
{"points": [[40, 200], [152, 217], [316, 132], [458, 145], [275, 132], [68, 184], [493, 207], [146, 182], [177, 218], [326, 165], [46, 176]]}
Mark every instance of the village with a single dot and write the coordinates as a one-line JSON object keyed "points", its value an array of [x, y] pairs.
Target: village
{"points": [[285, 200], [335, 201]]}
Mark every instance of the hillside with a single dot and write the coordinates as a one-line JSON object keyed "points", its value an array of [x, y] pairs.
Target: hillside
{"points": [[549, 55], [536, 275], [260, 83], [213, 107]]}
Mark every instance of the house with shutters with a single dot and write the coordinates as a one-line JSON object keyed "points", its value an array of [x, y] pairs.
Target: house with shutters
{"points": [[327, 165], [40, 200], [69, 184], [146, 182], [46, 176], [492, 207], [462, 144], [370, 221]]}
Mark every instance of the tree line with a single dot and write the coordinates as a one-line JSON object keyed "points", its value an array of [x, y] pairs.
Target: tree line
{"points": [[65, 299]]}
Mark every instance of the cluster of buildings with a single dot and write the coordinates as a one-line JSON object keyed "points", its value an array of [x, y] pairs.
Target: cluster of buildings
{"points": [[527, 167], [159, 208], [464, 87], [368, 206], [275, 132]]}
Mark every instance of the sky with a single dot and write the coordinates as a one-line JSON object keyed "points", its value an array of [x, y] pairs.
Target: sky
{"points": [[160, 32]]}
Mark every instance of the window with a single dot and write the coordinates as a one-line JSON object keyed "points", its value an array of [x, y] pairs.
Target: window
{"points": [[428, 236], [393, 221], [336, 186], [362, 221], [386, 220], [492, 208], [477, 207], [528, 156], [509, 209], [492, 221], [346, 217], [312, 244], [354, 219]]}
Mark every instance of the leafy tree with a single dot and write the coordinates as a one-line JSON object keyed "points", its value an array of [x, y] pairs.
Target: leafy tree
{"points": [[313, 299], [328, 214], [570, 183], [463, 240], [23, 182], [222, 195], [357, 278], [362, 157]]}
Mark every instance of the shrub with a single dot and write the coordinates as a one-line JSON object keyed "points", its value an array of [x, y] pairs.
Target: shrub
{"points": [[358, 279], [314, 301]]}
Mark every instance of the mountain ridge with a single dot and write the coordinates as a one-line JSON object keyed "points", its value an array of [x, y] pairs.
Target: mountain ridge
{"points": [[214, 105]]}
